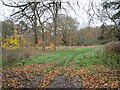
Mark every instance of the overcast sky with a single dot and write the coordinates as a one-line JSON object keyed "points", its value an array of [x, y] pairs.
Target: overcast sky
{"points": [[80, 14]]}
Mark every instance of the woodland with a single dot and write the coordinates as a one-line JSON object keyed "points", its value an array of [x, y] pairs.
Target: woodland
{"points": [[44, 46]]}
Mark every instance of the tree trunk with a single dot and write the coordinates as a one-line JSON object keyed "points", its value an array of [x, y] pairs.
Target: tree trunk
{"points": [[64, 42], [55, 29], [55, 16], [35, 24], [118, 37], [43, 38], [35, 36]]}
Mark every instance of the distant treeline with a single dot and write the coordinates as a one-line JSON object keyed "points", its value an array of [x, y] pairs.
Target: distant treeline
{"points": [[67, 33]]}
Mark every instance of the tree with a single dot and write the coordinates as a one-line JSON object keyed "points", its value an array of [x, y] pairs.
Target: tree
{"points": [[66, 31], [68, 27], [22, 26], [107, 34], [32, 10], [107, 12], [115, 16], [54, 7], [113, 6], [7, 28], [14, 41]]}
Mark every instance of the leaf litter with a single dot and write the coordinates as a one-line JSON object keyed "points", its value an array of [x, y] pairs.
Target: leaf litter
{"points": [[28, 75]]}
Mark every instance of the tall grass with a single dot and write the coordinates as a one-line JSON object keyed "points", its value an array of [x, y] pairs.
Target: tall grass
{"points": [[9, 56]]}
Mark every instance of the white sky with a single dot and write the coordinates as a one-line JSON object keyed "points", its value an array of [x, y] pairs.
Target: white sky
{"points": [[81, 16]]}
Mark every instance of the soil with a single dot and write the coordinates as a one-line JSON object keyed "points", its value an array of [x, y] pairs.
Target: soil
{"points": [[63, 81]]}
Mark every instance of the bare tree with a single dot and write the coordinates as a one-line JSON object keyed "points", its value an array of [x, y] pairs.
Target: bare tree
{"points": [[54, 8], [105, 12], [33, 13]]}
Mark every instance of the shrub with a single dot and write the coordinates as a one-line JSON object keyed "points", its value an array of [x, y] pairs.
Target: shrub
{"points": [[112, 54], [112, 47], [52, 47]]}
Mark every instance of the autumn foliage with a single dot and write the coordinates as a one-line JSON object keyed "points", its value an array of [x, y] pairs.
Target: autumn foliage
{"points": [[14, 41], [52, 46]]}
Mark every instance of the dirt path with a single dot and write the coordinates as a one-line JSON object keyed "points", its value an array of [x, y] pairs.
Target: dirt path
{"points": [[52, 79], [67, 79], [33, 76], [24, 76], [64, 81]]}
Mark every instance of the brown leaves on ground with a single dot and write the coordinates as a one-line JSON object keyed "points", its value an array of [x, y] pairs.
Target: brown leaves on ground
{"points": [[13, 77], [100, 79], [34, 67], [103, 79], [48, 78]]}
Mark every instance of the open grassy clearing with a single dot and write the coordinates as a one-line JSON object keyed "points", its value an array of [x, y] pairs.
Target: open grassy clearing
{"points": [[87, 62], [62, 57]]}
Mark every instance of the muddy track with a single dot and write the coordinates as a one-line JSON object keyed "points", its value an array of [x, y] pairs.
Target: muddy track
{"points": [[66, 80], [48, 78], [24, 76]]}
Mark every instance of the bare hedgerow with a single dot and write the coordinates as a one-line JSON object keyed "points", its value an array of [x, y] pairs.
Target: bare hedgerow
{"points": [[113, 47], [112, 56]]}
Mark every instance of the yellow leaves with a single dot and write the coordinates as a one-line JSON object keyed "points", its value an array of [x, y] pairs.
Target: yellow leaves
{"points": [[15, 32], [52, 47], [14, 41], [24, 40]]}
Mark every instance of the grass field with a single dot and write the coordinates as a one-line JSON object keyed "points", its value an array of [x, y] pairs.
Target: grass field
{"points": [[84, 56], [62, 57], [85, 61]]}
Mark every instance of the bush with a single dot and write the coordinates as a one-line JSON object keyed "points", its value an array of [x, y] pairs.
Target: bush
{"points": [[112, 47], [112, 54], [52, 47]]}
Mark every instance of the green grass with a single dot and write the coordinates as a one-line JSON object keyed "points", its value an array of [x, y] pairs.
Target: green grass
{"points": [[81, 57]]}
